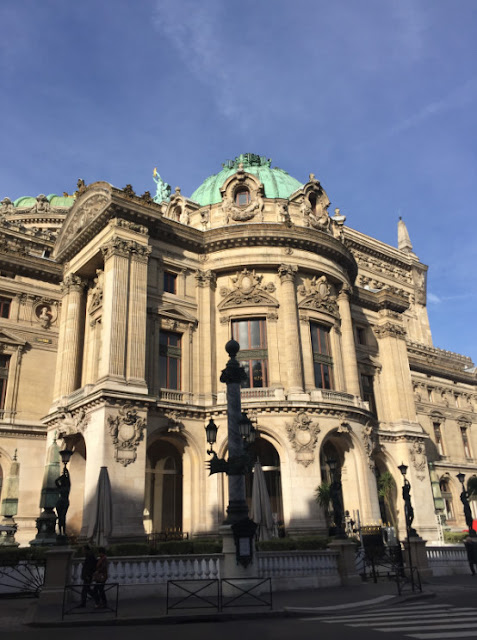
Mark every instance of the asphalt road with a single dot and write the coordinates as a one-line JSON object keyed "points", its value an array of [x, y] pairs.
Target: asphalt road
{"points": [[451, 616]]}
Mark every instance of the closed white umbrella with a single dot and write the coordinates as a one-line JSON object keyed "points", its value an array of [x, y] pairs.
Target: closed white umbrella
{"points": [[102, 523], [261, 507]]}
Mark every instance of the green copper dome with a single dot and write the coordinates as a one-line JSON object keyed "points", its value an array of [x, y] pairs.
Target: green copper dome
{"points": [[54, 200], [277, 183]]}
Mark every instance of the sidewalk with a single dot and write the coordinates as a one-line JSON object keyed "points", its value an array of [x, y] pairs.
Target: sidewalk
{"points": [[152, 610]]}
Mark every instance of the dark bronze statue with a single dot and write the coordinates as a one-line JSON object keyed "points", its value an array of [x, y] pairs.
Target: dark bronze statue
{"points": [[338, 511], [408, 510], [64, 485]]}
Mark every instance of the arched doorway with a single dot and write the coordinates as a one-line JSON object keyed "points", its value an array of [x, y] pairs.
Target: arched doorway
{"points": [[264, 451], [77, 469], [330, 457], [163, 499], [387, 494]]}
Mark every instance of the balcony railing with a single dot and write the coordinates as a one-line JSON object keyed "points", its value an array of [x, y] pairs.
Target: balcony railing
{"points": [[174, 395]]}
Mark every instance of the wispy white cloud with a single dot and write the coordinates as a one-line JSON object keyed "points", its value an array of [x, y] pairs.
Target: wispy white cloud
{"points": [[194, 30], [433, 299], [460, 96]]}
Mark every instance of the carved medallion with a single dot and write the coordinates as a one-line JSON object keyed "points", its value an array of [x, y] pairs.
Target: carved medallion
{"points": [[127, 431], [303, 435]]}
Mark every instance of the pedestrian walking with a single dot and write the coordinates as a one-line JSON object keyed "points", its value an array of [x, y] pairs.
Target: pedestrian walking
{"points": [[89, 567], [100, 576]]}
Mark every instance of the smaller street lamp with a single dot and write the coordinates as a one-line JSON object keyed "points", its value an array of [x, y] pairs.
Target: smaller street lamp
{"points": [[403, 469], [211, 434], [66, 456], [245, 426]]}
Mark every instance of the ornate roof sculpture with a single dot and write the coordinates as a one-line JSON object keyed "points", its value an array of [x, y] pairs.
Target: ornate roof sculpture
{"points": [[277, 183]]}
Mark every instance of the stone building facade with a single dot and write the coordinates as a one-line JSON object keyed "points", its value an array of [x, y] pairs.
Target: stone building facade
{"points": [[114, 312]]}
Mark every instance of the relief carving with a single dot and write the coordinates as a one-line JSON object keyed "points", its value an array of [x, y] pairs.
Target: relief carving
{"points": [[419, 458], [85, 214], [247, 290], [370, 443], [96, 292], [127, 431], [303, 435], [69, 423], [317, 294], [389, 329]]}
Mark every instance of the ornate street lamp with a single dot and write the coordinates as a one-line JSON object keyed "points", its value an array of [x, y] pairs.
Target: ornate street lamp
{"points": [[464, 497], [336, 498], [239, 431]]}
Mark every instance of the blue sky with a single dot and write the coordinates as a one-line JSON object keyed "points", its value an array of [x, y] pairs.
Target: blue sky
{"points": [[376, 97]]}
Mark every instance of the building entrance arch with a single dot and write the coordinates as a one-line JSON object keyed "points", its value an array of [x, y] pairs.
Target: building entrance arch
{"points": [[164, 487], [263, 451]]}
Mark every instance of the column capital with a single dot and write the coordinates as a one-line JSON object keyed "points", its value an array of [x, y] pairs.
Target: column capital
{"points": [[345, 291], [287, 272], [72, 282], [205, 278], [125, 248], [390, 329]]}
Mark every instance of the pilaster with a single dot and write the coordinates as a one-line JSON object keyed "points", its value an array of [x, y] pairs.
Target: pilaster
{"points": [[206, 285], [347, 341], [136, 346], [292, 331], [68, 376], [395, 378]]}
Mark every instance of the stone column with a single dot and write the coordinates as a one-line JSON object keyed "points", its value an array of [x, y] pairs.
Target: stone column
{"points": [[308, 367], [347, 340], [115, 309], [206, 283], [137, 316], [71, 335], [292, 331], [395, 377]]}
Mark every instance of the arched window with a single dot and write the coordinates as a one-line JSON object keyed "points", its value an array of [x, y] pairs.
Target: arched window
{"points": [[242, 197], [312, 200], [322, 360], [251, 334], [447, 497], [164, 488]]}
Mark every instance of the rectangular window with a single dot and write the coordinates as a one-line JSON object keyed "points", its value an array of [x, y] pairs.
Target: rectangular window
{"points": [[322, 360], [438, 438], [170, 282], [367, 387], [465, 442], [253, 355], [170, 355], [360, 335], [5, 304], [4, 366]]}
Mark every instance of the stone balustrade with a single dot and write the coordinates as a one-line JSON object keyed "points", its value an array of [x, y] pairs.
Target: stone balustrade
{"points": [[143, 570], [447, 560], [284, 564], [288, 569]]}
